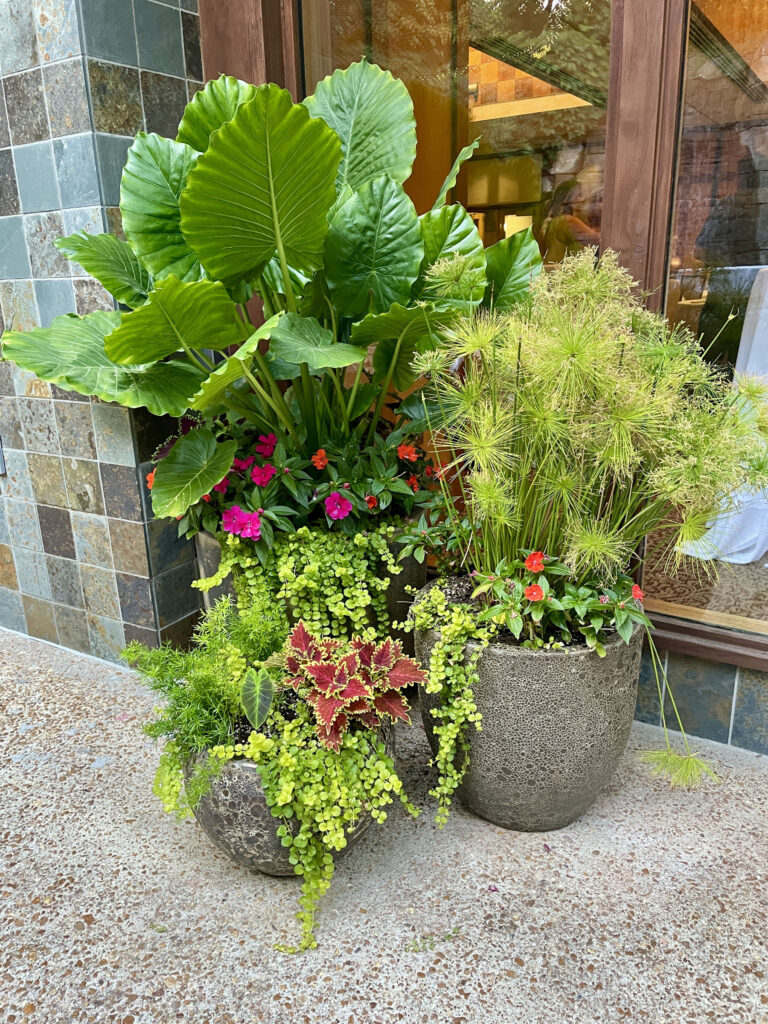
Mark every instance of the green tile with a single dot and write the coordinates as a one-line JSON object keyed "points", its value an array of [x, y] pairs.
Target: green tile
{"points": [[47, 479], [108, 30], [40, 619], [12, 610], [158, 31], [76, 171], [14, 258], [111, 152]]}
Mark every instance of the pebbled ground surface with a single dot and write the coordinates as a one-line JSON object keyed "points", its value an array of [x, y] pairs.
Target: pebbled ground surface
{"points": [[652, 908]]}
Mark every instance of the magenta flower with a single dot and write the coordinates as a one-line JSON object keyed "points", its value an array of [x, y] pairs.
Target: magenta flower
{"points": [[252, 528], [243, 465], [266, 445], [233, 519], [261, 475], [337, 506], [221, 486]]}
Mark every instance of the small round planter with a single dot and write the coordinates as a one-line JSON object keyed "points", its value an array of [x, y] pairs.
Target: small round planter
{"points": [[555, 724], [235, 816]]}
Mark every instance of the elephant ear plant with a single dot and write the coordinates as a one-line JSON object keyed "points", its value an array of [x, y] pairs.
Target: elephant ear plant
{"points": [[302, 207]]}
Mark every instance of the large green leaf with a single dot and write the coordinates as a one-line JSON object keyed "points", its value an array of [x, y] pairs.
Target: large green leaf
{"points": [[397, 336], [373, 250], [71, 353], [453, 174], [111, 261], [213, 390], [153, 177], [372, 113], [301, 339], [444, 232], [195, 464], [178, 315], [212, 107], [265, 183], [512, 265]]}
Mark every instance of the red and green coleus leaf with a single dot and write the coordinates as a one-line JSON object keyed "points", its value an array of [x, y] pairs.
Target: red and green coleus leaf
{"points": [[386, 654], [327, 709], [331, 735], [323, 675], [393, 704], [302, 642], [364, 650], [404, 672]]}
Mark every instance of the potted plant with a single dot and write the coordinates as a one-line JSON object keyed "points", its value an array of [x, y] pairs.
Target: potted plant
{"points": [[575, 425], [282, 751]]}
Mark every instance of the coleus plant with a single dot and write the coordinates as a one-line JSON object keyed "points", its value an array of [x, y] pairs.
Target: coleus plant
{"points": [[303, 206], [347, 682]]}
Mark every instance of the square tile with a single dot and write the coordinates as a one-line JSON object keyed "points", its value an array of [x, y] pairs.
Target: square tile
{"points": [[90, 296], [9, 192], [148, 637], [166, 548], [129, 547], [180, 633], [174, 597], [16, 483], [14, 258], [111, 152], [83, 485], [23, 524], [67, 98], [135, 595], [64, 577], [750, 719], [164, 101], [54, 298], [158, 30], [38, 188], [121, 492], [8, 576], [58, 35], [116, 98], [83, 218], [5, 536], [27, 384], [107, 637], [109, 30], [10, 424], [56, 531], [32, 573], [19, 39], [12, 610], [47, 479], [42, 230], [75, 425], [114, 436], [6, 371], [76, 171], [25, 104], [17, 299], [39, 425], [703, 692], [100, 591], [72, 627], [190, 29], [188, 5], [40, 619], [5, 133], [92, 540]]}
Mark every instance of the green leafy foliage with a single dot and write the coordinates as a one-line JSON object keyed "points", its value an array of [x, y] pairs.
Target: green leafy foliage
{"points": [[195, 464], [210, 108], [300, 339], [214, 389], [512, 266], [396, 336], [256, 695], [453, 174], [111, 261]]}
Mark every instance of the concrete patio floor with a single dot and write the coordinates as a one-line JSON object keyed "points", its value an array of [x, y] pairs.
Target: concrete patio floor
{"points": [[653, 907]]}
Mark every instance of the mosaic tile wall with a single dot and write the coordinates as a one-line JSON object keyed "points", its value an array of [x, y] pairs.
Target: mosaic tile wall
{"points": [[81, 563]]}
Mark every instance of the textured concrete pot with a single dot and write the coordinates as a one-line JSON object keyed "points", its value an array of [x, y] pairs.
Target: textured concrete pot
{"points": [[555, 724], [235, 816]]}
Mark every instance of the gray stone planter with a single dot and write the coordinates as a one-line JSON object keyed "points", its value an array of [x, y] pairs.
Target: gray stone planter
{"points": [[555, 724]]}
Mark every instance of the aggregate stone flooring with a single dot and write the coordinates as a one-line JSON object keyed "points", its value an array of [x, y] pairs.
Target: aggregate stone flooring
{"points": [[651, 908]]}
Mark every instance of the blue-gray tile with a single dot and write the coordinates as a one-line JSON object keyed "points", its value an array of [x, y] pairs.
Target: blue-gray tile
{"points": [[76, 171], [111, 151], [19, 306], [10, 424], [19, 49], [54, 298], [58, 36], [750, 720], [72, 627], [158, 30], [175, 597], [107, 637], [648, 706], [9, 192], [67, 98], [136, 600], [38, 422], [188, 5], [14, 258], [42, 230], [25, 105], [38, 188], [100, 591], [92, 543], [108, 30], [32, 573], [23, 525], [16, 483], [86, 218], [114, 436], [703, 692], [5, 536], [64, 577], [76, 437], [12, 610]]}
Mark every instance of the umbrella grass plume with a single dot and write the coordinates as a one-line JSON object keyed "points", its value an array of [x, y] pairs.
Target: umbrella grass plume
{"points": [[579, 422]]}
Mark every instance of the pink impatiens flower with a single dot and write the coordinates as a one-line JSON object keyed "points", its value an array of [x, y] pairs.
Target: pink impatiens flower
{"points": [[266, 445], [221, 486], [261, 475], [243, 465], [245, 524], [337, 506], [252, 529]]}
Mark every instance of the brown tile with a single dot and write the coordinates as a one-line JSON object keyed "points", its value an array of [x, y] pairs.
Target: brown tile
{"points": [[47, 479], [42, 230], [56, 531], [180, 633], [9, 192], [166, 548], [505, 91], [6, 370], [100, 591], [115, 97], [39, 424], [7, 568], [148, 637], [129, 547], [523, 88], [72, 627], [25, 102], [40, 618], [75, 429], [64, 84], [164, 101], [121, 491], [115, 221], [19, 309], [83, 485], [175, 598], [10, 424]]}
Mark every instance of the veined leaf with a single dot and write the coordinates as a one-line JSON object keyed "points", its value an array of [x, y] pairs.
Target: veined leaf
{"points": [[512, 265], [177, 315], [373, 250], [71, 353], [398, 335], [210, 108], [444, 232], [111, 261], [195, 464], [256, 695], [153, 177], [453, 174], [301, 339], [266, 182], [213, 390], [372, 113]]}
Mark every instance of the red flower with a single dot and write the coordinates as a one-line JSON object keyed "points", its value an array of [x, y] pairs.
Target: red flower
{"points": [[221, 486], [429, 471], [413, 482], [206, 497], [319, 460], [407, 452], [371, 500], [150, 479], [637, 593], [603, 599], [266, 445], [534, 592], [261, 475], [535, 561]]}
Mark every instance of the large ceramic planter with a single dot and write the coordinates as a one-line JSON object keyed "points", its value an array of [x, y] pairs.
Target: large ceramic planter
{"points": [[555, 724], [234, 814]]}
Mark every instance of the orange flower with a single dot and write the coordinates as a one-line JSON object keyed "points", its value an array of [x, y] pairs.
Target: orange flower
{"points": [[150, 479], [371, 500], [535, 561], [319, 460], [534, 592], [407, 452], [637, 593], [413, 482]]}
